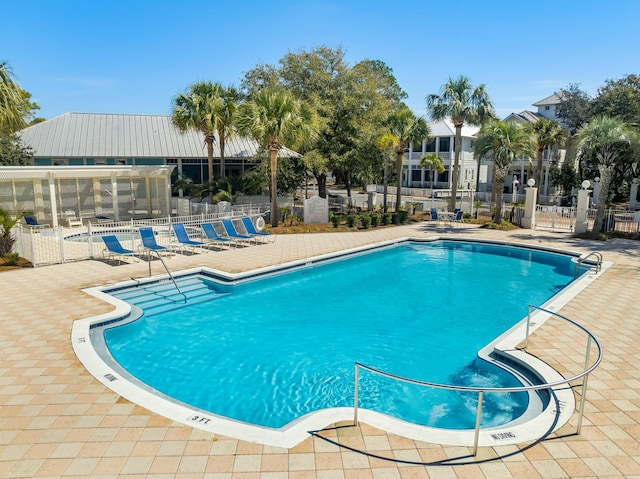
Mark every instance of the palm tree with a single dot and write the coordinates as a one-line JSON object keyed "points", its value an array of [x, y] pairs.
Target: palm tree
{"points": [[432, 161], [407, 128], [502, 141], [463, 104], [12, 101], [226, 118], [198, 109], [387, 145], [610, 141], [274, 118], [546, 133]]}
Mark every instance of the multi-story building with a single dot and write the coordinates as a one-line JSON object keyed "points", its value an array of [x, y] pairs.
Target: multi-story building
{"points": [[442, 142]]}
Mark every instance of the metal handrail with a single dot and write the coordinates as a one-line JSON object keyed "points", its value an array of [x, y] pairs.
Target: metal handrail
{"points": [[584, 257], [481, 390], [170, 275]]}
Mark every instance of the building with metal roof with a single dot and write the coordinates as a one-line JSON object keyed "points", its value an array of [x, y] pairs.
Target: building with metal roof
{"points": [[89, 139]]}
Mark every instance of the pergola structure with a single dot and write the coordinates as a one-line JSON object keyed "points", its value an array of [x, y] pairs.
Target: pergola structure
{"points": [[115, 192]]}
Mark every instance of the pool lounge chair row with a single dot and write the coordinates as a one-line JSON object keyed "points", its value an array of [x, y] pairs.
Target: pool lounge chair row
{"points": [[231, 238]]}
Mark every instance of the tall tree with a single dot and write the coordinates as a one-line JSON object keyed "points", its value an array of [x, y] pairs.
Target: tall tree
{"points": [[13, 151], [502, 141], [274, 118], [407, 128], [351, 102], [15, 103], [226, 120], [463, 104], [610, 141], [433, 162], [574, 109], [620, 99], [198, 109], [387, 144], [546, 134]]}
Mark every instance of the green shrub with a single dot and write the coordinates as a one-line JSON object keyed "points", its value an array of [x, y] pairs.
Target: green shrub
{"points": [[11, 259], [386, 218], [375, 219], [352, 220], [402, 216], [335, 220], [365, 221]]}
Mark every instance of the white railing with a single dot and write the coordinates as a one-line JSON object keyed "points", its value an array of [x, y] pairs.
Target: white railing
{"points": [[47, 245], [588, 368]]}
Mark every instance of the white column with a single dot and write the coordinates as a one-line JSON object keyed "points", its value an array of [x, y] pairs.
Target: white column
{"points": [[529, 219], [114, 197], [582, 208], [633, 194], [53, 196], [596, 190]]}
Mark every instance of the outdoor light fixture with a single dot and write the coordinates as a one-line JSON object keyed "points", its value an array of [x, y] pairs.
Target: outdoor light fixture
{"points": [[586, 184], [531, 182]]}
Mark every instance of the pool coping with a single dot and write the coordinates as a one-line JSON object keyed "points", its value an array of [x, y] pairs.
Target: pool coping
{"points": [[557, 413]]}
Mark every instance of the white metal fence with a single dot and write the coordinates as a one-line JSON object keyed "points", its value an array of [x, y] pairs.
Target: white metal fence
{"points": [[47, 245], [563, 218]]}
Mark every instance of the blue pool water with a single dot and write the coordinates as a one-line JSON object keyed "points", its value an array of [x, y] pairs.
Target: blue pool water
{"points": [[271, 350]]}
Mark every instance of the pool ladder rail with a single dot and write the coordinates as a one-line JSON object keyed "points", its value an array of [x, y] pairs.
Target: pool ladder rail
{"points": [[173, 280], [583, 258]]}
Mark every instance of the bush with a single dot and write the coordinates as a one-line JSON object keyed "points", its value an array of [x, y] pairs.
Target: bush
{"points": [[11, 259], [365, 220], [402, 216], [375, 219], [351, 220], [386, 218], [335, 220]]}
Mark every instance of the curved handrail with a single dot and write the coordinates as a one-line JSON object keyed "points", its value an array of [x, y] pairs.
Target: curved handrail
{"points": [[584, 257], [481, 390]]}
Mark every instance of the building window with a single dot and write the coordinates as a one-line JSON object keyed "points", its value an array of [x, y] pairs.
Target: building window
{"points": [[60, 162], [416, 175], [431, 147], [547, 108], [417, 147], [445, 144]]}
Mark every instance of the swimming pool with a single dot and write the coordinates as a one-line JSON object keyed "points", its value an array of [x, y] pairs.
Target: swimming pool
{"points": [[447, 289]]}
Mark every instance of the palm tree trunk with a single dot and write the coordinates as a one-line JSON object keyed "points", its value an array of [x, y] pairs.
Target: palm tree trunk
{"points": [[456, 167], [210, 163], [274, 187], [385, 180], [399, 174], [540, 172], [222, 165], [605, 180], [322, 185], [497, 214]]}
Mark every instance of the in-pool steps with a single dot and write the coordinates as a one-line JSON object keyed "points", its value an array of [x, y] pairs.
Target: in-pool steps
{"points": [[163, 296]]}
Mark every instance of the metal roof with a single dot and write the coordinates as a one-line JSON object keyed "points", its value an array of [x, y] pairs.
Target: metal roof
{"points": [[525, 116], [446, 128], [102, 135], [554, 99]]}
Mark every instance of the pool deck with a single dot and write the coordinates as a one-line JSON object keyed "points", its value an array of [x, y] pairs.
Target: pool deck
{"points": [[56, 420]]}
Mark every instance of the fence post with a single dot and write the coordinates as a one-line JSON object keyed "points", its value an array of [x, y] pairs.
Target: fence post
{"points": [[355, 399], [90, 239], [60, 236], [476, 434]]}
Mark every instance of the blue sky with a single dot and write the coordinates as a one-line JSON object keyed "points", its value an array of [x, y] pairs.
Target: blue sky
{"points": [[133, 56]]}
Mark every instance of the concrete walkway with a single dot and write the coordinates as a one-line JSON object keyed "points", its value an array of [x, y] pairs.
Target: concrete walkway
{"points": [[58, 421]]}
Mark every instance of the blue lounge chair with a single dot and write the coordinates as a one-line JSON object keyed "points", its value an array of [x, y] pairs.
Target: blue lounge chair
{"points": [[233, 234], [33, 223], [115, 249], [213, 238], [435, 217], [149, 240], [457, 218], [183, 237], [251, 229]]}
